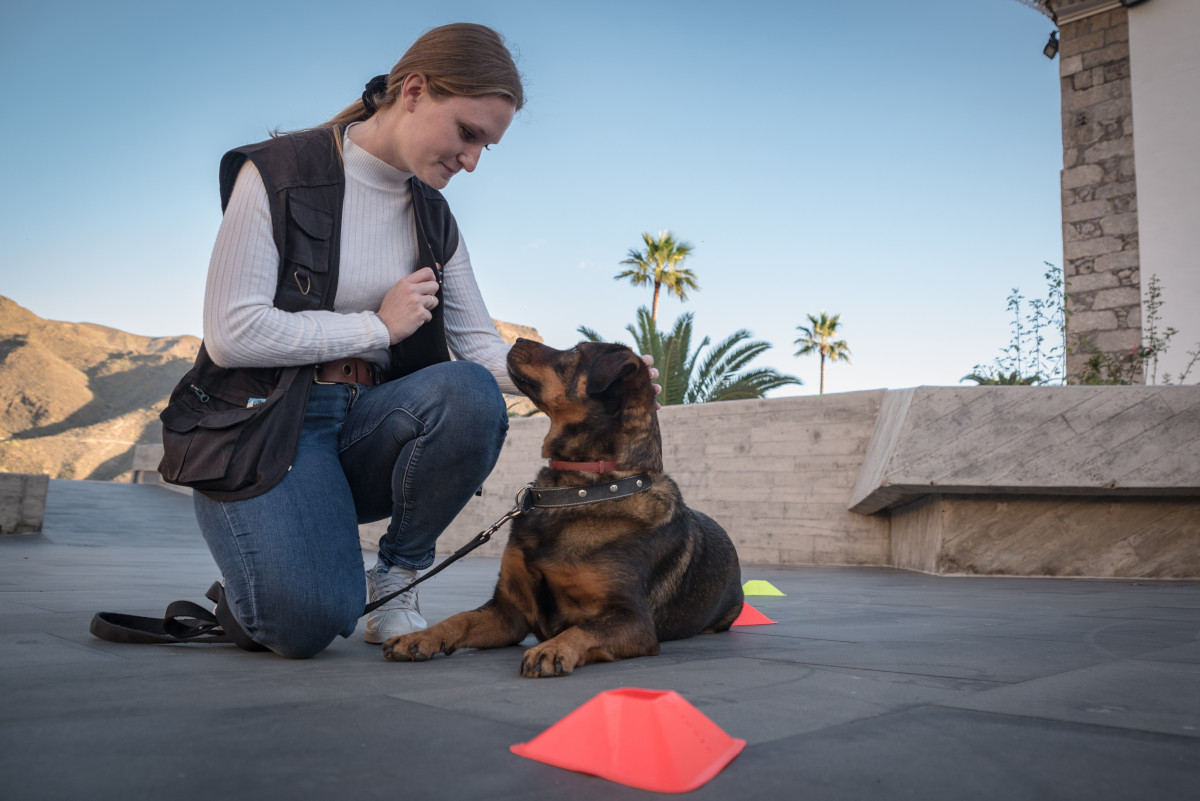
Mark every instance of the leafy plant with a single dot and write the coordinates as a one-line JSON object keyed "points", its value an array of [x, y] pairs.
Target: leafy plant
{"points": [[818, 337], [660, 265], [1105, 369], [1195, 354], [692, 376], [1001, 379], [1156, 341], [1027, 360], [1142, 360], [1036, 352]]}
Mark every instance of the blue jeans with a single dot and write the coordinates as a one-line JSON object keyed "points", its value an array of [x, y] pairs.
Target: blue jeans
{"points": [[413, 450]]}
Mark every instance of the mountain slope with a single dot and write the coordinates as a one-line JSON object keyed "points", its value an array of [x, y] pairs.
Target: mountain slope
{"points": [[76, 397]]}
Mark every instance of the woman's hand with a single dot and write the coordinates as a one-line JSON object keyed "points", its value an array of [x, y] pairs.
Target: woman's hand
{"points": [[409, 304], [649, 360]]}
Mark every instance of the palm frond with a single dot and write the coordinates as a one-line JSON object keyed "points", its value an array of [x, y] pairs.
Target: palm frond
{"points": [[723, 363], [755, 384]]}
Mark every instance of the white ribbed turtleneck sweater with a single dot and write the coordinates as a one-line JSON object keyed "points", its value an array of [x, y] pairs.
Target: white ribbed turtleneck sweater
{"points": [[242, 328]]}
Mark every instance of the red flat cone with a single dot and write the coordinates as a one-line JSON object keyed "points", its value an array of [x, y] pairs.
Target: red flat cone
{"points": [[650, 739], [752, 617]]}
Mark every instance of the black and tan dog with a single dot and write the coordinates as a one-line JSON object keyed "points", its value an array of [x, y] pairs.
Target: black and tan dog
{"points": [[603, 580]]}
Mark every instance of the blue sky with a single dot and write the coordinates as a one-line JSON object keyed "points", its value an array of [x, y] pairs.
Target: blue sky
{"points": [[893, 162]]}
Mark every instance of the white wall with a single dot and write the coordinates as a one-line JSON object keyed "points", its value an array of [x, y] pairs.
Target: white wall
{"points": [[1164, 44]]}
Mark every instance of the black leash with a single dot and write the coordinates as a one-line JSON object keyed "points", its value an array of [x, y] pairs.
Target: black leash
{"points": [[480, 539], [185, 621], [530, 497]]}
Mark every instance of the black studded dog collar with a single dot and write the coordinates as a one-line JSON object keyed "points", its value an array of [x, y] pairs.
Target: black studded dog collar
{"points": [[533, 497]]}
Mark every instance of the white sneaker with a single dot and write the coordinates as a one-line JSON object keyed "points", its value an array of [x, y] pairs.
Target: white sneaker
{"points": [[402, 614]]}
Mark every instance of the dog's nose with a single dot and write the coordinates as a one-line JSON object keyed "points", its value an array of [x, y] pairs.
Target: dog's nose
{"points": [[519, 339]]}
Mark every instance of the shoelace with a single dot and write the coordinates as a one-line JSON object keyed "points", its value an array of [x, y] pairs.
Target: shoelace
{"points": [[406, 598]]}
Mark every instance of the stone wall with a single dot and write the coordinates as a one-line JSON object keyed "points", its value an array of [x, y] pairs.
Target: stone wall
{"points": [[1035, 535], [776, 473], [1099, 193], [1078, 481]]}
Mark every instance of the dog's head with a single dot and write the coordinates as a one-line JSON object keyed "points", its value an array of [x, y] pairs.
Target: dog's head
{"points": [[599, 399]]}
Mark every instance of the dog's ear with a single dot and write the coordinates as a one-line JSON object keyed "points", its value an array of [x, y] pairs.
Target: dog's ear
{"points": [[610, 368]]}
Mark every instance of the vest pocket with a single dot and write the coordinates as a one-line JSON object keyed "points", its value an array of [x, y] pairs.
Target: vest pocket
{"points": [[308, 238], [306, 256], [198, 444], [223, 429]]}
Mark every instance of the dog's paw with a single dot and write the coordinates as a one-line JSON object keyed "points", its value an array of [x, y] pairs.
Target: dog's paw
{"points": [[548, 661], [419, 646]]}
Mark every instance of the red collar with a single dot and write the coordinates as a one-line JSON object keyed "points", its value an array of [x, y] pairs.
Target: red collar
{"points": [[584, 467]]}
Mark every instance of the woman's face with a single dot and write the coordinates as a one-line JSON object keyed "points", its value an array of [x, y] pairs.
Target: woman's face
{"points": [[434, 138]]}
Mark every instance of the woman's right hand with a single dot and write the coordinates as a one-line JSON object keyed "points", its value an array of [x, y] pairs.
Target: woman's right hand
{"points": [[409, 304]]}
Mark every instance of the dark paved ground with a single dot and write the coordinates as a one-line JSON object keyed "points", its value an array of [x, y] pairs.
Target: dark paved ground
{"points": [[875, 684]]}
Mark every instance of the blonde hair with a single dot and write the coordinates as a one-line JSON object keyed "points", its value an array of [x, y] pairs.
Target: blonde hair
{"points": [[461, 59]]}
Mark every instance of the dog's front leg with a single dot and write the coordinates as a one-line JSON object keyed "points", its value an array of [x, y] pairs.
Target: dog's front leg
{"points": [[620, 635], [493, 625]]}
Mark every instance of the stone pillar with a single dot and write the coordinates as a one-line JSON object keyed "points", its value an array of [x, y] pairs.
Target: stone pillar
{"points": [[22, 502], [1099, 193]]}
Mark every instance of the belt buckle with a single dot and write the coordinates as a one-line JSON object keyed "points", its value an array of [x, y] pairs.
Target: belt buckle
{"points": [[350, 369], [316, 380]]}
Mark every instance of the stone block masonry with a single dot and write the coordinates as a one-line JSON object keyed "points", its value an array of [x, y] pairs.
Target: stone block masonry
{"points": [[1082, 481], [1101, 265], [22, 502], [776, 473]]}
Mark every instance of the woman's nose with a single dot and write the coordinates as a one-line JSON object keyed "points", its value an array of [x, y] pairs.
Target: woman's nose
{"points": [[470, 160]]}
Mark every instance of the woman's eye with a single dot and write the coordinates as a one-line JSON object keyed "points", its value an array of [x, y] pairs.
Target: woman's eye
{"points": [[469, 136]]}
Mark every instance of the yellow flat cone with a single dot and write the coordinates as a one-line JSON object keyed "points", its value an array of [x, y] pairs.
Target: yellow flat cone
{"points": [[760, 587]]}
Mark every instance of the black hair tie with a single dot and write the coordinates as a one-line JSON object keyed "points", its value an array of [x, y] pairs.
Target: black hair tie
{"points": [[375, 86]]}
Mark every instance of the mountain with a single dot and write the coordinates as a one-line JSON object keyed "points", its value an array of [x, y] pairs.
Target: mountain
{"points": [[76, 397]]}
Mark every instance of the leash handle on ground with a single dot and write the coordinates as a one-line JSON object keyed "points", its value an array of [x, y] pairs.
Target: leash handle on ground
{"points": [[188, 622], [480, 538]]}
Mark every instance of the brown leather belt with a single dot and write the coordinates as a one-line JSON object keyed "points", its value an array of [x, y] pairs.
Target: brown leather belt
{"points": [[346, 371]]}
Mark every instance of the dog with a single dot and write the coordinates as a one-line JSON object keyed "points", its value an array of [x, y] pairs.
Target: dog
{"points": [[604, 580]]}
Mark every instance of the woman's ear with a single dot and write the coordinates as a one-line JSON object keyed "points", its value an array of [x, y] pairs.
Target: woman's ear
{"points": [[415, 87]]}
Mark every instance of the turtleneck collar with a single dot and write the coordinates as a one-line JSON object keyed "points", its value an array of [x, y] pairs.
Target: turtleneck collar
{"points": [[365, 168]]}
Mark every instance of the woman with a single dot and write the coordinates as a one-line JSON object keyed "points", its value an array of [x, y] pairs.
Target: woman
{"points": [[337, 255]]}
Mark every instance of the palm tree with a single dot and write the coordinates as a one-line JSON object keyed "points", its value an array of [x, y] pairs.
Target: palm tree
{"points": [[818, 338], [659, 264], [686, 378]]}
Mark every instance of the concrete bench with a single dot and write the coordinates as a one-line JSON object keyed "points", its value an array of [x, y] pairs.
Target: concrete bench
{"points": [[22, 502], [1091, 481], [145, 467]]}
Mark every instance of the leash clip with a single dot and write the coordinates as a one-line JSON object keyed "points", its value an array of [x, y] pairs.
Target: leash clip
{"points": [[525, 500], [523, 505]]}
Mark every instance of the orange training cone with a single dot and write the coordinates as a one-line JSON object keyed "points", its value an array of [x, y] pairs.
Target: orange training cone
{"points": [[752, 617], [650, 739]]}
